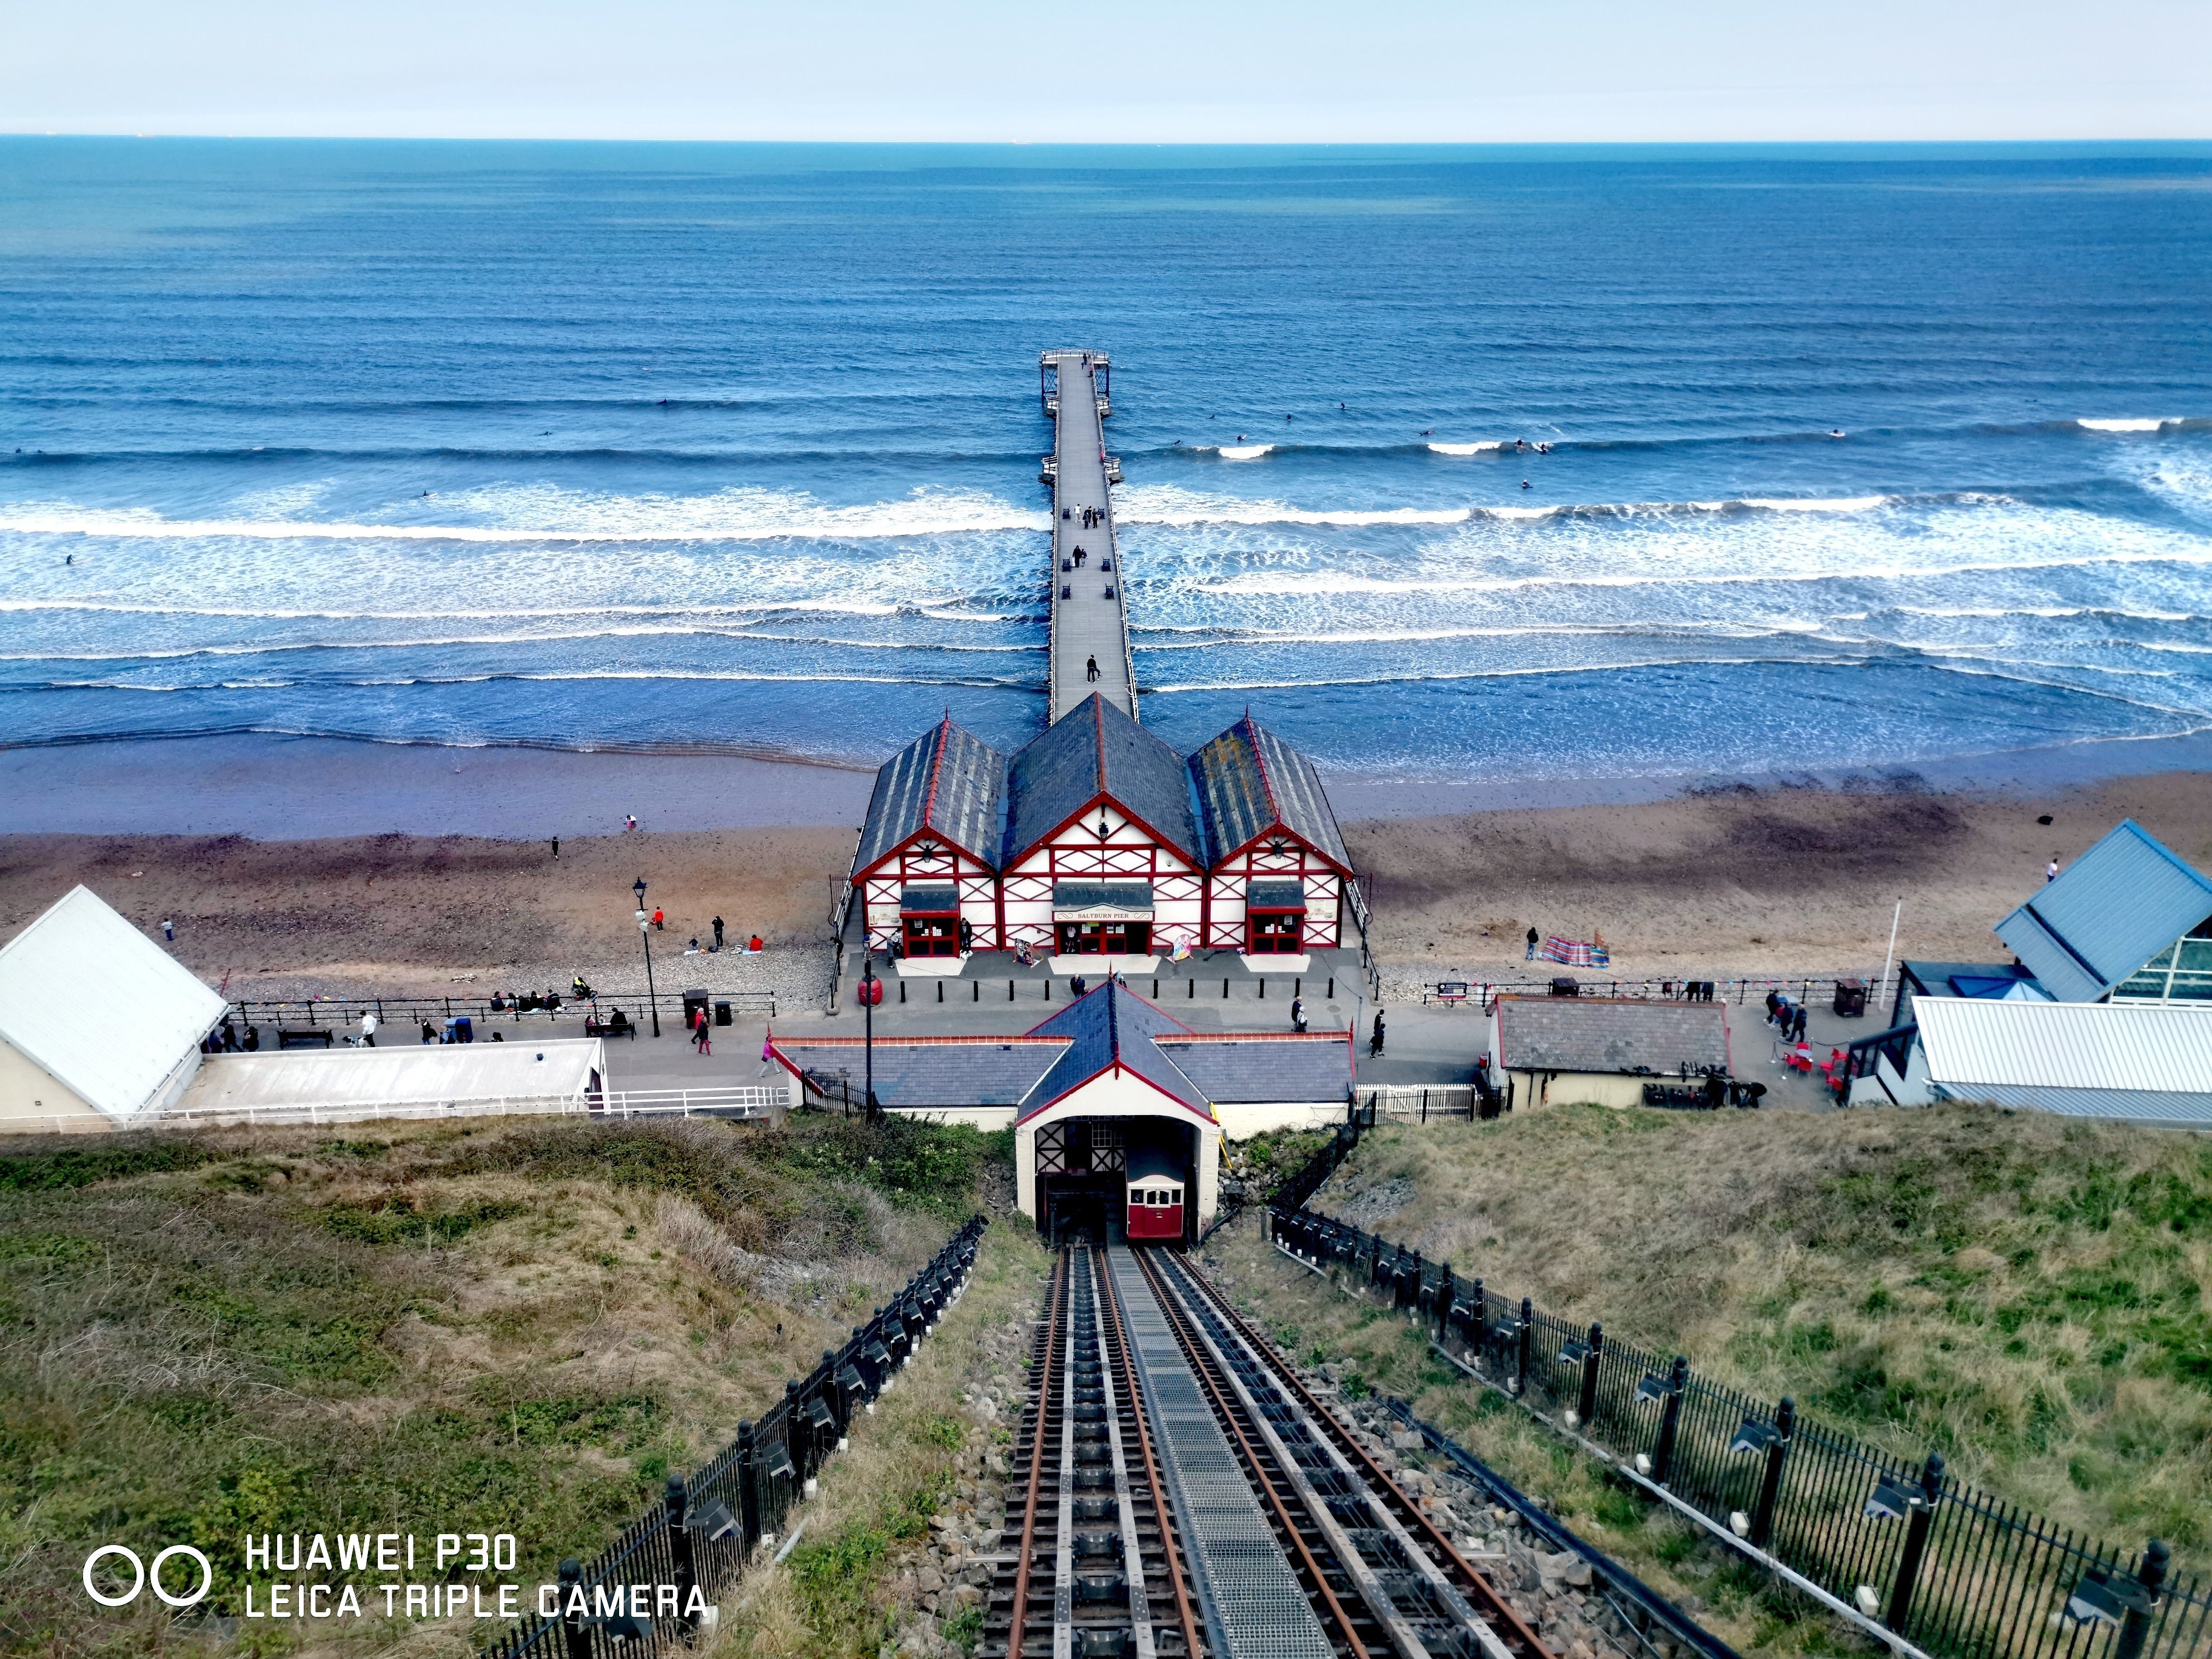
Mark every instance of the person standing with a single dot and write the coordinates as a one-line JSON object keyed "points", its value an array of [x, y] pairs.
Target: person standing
{"points": [[658, 919], [2051, 869], [368, 1027], [718, 932], [169, 928], [556, 848], [1298, 1013], [1532, 941], [705, 1036], [1798, 1024], [1374, 1041], [1091, 671]]}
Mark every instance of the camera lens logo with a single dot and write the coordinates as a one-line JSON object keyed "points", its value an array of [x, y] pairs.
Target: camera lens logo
{"points": [[142, 1575]]}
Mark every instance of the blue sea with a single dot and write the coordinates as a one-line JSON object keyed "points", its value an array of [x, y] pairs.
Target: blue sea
{"points": [[1857, 459]]}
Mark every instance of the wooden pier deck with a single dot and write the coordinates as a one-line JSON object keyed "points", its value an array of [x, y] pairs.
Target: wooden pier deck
{"points": [[1089, 613]]}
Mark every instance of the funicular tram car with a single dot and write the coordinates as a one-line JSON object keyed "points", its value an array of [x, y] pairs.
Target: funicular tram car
{"points": [[1155, 1196]]}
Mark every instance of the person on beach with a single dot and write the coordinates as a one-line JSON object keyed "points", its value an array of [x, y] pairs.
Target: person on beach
{"points": [[368, 1027], [658, 920], [718, 932], [556, 848], [692, 949], [1374, 1041], [755, 947], [629, 823], [1091, 669], [2051, 869], [1533, 942], [169, 928]]}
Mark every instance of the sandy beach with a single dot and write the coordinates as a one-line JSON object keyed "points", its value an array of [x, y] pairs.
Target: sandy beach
{"points": [[1730, 880]]}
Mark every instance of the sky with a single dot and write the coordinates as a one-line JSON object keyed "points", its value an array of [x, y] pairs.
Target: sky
{"points": [[1130, 71]]}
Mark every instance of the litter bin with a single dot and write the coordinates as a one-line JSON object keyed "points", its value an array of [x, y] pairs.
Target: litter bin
{"points": [[695, 1004], [1850, 998], [464, 1028], [721, 1013], [1564, 986]]}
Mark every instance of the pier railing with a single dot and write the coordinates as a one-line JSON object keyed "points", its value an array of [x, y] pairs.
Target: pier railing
{"points": [[1917, 1559], [1479, 994], [700, 1537]]}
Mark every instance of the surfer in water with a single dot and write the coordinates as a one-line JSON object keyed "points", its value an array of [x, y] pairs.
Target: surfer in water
{"points": [[1835, 432], [1524, 483]]}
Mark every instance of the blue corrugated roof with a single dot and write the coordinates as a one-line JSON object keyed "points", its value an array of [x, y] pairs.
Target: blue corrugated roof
{"points": [[2120, 903]]}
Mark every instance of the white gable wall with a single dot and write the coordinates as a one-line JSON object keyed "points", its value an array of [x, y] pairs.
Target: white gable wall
{"points": [[1129, 852], [1119, 1093]]}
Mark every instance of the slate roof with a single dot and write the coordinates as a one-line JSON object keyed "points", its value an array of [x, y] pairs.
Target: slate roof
{"points": [[2118, 906], [1097, 749], [1589, 1034], [1317, 1067], [948, 781], [1107, 1024], [1078, 1042], [983, 1072], [1248, 781]]}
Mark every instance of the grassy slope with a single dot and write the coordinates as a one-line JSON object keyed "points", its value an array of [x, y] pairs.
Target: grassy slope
{"points": [[843, 1592], [512, 1328], [2024, 1293]]}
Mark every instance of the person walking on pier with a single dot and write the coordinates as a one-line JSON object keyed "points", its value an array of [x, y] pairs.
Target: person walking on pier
{"points": [[1090, 670]]}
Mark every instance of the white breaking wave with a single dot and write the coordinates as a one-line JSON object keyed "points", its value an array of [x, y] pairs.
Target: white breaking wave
{"points": [[1243, 452], [2131, 424], [555, 516], [1466, 449], [1816, 503]]}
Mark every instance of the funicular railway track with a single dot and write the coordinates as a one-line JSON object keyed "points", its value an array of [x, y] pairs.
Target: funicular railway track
{"points": [[1184, 1494]]}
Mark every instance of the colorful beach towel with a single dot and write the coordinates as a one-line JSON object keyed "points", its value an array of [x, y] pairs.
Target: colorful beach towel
{"points": [[1576, 953]]}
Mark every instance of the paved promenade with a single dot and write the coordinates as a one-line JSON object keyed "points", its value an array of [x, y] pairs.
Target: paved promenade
{"points": [[1090, 612]]}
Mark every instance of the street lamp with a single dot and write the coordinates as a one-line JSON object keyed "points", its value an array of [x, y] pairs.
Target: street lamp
{"points": [[872, 993], [645, 938]]}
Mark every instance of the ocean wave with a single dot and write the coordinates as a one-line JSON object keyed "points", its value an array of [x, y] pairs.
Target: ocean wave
{"points": [[564, 517], [1465, 449], [389, 682], [1241, 451], [2131, 423]]}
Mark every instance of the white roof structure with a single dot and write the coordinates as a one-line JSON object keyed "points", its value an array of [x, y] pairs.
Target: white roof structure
{"points": [[106, 1011], [407, 1079], [2139, 1062]]}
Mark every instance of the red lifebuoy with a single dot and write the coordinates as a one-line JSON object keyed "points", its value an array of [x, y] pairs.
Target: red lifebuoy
{"points": [[872, 992]]}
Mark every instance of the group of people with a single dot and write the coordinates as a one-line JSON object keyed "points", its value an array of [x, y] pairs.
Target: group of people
{"points": [[1089, 518], [225, 1040], [1786, 1017]]}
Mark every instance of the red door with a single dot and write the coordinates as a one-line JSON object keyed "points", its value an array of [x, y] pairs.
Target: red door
{"points": [[1273, 934]]}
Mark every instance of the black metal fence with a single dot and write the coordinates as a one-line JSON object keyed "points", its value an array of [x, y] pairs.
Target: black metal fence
{"points": [[1949, 1569], [341, 1015], [632, 1599]]}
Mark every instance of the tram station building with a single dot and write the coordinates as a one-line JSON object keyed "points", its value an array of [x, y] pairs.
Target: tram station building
{"points": [[1117, 1107], [1099, 846]]}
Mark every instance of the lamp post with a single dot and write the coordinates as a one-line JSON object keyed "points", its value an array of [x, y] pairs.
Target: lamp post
{"points": [[645, 938], [872, 991]]}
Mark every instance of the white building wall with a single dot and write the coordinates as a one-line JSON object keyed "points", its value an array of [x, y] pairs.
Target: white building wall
{"points": [[1241, 1120], [1118, 1093], [1128, 854]]}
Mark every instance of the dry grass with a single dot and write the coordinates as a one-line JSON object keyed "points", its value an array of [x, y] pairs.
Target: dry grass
{"points": [[516, 1329], [2024, 1293], [846, 1588], [1315, 1322]]}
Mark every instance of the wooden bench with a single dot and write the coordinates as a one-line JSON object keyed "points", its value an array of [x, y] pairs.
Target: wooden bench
{"points": [[305, 1039], [602, 1027]]}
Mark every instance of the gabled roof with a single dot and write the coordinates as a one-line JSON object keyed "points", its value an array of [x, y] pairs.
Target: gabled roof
{"points": [[99, 1006], [947, 780], [1097, 749], [1592, 1034], [913, 1073], [1106, 1027], [2120, 903], [1248, 781]]}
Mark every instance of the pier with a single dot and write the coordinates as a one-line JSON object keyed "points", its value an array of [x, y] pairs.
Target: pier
{"points": [[1090, 612]]}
